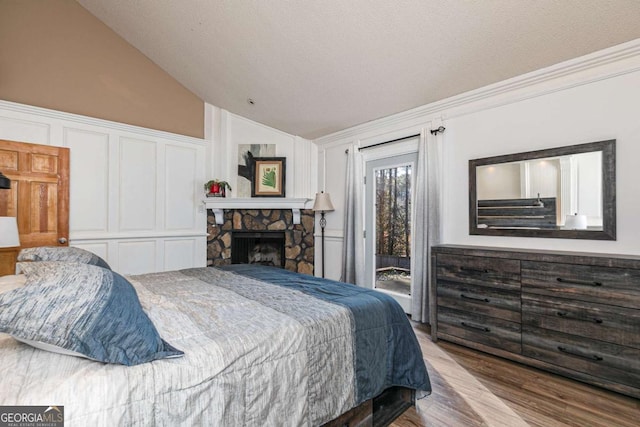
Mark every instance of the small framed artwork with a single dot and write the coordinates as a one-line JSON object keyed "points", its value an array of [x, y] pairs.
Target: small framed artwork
{"points": [[268, 177]]}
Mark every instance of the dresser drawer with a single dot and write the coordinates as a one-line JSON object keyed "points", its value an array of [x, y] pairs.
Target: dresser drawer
{"points": [[608, 323], [491, 302], [480, 271], [608, 285], [479, 328], [595, 358]]}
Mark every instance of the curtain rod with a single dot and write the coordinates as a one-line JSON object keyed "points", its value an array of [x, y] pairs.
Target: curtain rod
{"points": [[388, 142], [433, 132]]}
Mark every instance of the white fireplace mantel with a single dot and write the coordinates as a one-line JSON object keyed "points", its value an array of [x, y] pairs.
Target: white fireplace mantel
{"points": [[219, 204]]}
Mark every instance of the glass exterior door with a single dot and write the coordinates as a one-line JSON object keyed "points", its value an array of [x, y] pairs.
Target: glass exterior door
{"points": [[388, 202]]}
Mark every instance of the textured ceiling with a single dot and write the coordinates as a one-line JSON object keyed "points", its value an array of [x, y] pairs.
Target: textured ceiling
{"points": [[314, 67]]}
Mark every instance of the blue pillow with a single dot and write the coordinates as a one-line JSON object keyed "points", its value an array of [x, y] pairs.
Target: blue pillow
{"points": [[83, 310], [62, 253]]}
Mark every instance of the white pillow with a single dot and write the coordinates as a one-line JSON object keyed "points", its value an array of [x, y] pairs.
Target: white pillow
{"points": [[11, 282]]}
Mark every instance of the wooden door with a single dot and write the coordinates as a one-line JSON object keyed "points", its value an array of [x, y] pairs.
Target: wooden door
{"points": [[39, 194]]}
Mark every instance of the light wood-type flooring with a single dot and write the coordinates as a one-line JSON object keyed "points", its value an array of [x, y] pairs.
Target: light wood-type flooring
{"points": [[471, 388]]}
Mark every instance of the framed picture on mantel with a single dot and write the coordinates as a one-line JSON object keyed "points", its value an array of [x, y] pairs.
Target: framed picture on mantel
{"points": [[268, 177]]}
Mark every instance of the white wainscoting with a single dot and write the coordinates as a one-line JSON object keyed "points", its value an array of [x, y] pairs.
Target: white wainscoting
{"points": [[135, 193]]}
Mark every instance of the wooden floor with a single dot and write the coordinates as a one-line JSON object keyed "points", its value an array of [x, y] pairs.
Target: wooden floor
{"points": [[471, 388]]}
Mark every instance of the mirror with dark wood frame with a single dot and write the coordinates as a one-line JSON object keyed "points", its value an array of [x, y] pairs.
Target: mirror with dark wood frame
{"points": [[566, 192]]}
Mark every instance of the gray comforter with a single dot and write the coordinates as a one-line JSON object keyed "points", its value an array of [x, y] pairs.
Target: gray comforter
{"points": [[256, 353]]}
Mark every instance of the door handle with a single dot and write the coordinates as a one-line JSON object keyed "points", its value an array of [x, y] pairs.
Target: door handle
{"points": [[463, 296], [578, 282], [593, 357], [62, 240]]}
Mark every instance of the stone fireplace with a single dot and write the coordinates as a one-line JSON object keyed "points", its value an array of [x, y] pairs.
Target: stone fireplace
{"points": [[262, 236]]}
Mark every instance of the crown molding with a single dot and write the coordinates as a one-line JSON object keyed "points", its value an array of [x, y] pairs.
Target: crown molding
{"points": [[92, 121], [508, 91]]}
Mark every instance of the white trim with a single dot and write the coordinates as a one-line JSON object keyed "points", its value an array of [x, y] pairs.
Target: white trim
{"points": [[218, 205], [61, 115], [255, 203], [80, 236], [509, 91], [330, 233], [218, 215]]}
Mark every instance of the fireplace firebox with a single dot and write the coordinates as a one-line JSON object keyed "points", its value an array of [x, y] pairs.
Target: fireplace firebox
{"points": [[296, 253], [258, 247]]}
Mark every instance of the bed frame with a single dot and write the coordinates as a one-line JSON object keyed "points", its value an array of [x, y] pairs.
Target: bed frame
{"points": [[379, 411]]}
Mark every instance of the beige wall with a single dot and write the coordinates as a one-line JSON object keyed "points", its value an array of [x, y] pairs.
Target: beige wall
{"points": [[55, 54]]}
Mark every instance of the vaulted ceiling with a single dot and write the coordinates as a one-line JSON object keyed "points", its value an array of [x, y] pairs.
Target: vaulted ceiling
{"points": [[313, 67]]}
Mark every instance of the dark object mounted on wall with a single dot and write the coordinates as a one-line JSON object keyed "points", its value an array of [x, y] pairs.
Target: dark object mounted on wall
{"points": [[268, 177], [591, 193], [5, 183]]}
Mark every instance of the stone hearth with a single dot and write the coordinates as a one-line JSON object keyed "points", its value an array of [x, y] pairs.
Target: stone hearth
{"points": [[299, 240]]}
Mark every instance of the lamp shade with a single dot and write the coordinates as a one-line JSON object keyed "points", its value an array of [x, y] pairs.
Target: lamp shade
{"points": [[9, 237], [323, 202], [5, 183], [576, 222]]}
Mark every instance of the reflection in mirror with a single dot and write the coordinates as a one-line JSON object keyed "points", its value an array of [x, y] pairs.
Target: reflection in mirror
{"points": [[552, 192], [566, 192]]}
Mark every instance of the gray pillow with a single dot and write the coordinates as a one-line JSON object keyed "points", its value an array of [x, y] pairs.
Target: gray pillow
{"points": [[82, 309], [61, 253]]}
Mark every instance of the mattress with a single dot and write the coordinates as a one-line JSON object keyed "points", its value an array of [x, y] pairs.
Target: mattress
{"points": [[262, 347]]}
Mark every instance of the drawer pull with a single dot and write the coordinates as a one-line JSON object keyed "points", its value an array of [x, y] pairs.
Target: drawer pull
{"points": [[474, 270], [476, 327], [578, 282], [593, 357], [566, 315], [463, 296]]}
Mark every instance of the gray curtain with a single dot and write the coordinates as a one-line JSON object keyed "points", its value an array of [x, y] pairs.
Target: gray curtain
{"points": [[426, 222], [353, 265]]}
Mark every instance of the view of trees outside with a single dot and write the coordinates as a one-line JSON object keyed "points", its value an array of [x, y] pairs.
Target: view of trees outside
{"points": [[393, 229], [393, 211]]}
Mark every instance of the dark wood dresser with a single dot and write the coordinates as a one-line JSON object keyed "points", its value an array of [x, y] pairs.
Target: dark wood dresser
{"points": [[575, 314]]}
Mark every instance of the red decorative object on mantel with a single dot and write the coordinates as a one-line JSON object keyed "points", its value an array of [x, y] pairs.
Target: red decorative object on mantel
{"points": [[216, 188]]}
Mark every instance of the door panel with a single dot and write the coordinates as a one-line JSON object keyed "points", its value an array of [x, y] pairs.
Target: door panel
{"points": [[8, 161], [39, 194], [44, 163], [388, 225], [9, 199]]}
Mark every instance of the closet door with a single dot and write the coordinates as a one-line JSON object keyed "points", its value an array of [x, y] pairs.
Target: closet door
{"points": [[39, 194]]}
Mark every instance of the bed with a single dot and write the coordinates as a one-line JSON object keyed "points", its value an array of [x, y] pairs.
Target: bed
{"points": [[262, 346]]}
